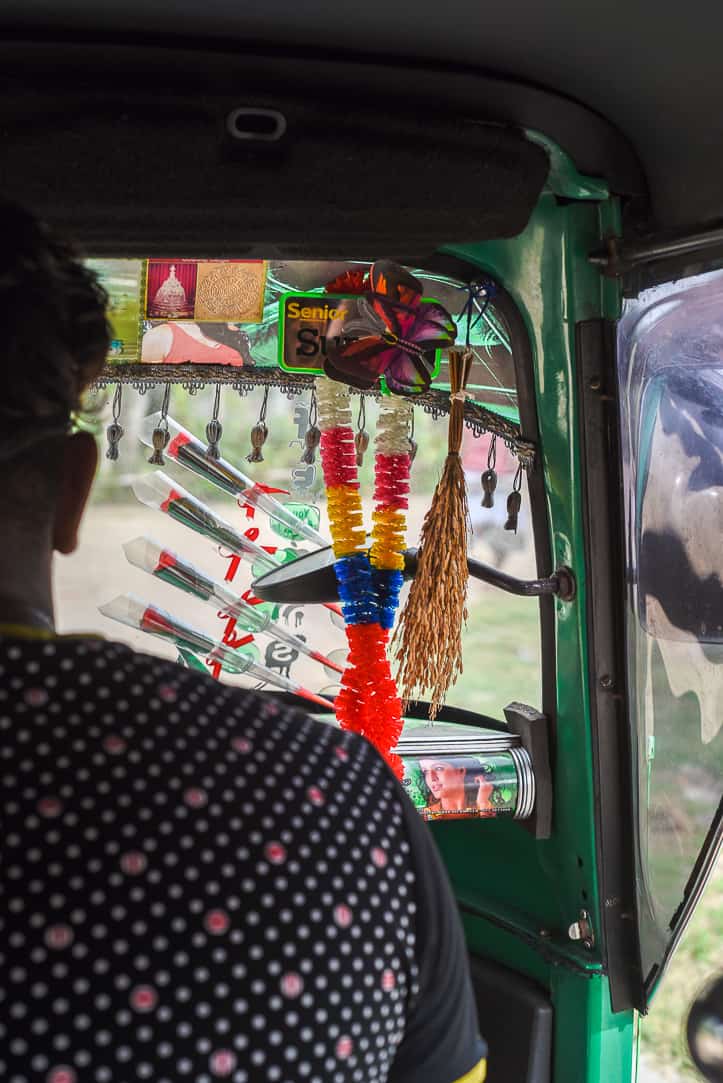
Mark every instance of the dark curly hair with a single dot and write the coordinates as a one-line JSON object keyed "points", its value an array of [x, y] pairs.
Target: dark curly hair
{"points": [[55, 334], [54, 337]]}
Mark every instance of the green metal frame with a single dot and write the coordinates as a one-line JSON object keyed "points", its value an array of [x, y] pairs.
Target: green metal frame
{"points": [[497, 868]]}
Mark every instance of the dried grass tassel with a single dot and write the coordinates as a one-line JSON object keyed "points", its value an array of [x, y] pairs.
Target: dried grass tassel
{"points": [[428, 639]]}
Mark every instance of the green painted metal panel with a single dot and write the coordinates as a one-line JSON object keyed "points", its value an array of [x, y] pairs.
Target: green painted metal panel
{"points": [[591, 1043], [521, 895]]}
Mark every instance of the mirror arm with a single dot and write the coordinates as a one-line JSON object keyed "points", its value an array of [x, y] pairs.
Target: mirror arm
{"points": [[560, 583]]}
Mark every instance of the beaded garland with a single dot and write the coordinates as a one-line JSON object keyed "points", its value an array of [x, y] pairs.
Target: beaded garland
{"points": [[369, 582]]}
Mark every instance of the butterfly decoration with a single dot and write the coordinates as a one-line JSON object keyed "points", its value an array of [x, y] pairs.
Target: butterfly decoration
{"points": [[389, 332]]}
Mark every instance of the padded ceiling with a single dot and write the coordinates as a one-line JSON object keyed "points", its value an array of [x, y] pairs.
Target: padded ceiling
{"points": [[128, 149], [651, 69]]}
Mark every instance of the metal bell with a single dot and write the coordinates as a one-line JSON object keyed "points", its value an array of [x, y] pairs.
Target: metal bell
{"points": [[514, 503], [361, 443], [214, 432], [489, 484], [159, 439], [114, 433], [312, 436], [258, 439]]}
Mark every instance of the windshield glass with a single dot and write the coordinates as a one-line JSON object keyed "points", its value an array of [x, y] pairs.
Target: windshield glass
{"points": [[671, 379], [160, 312]]}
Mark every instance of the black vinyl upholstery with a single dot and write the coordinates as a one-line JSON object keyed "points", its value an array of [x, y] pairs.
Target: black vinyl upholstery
{"points": [[516, 1020]]}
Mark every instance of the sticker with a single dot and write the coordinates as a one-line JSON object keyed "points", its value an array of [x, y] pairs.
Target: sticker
{"points": [[461, 787], [206, 291], [171, 289], [230, 291], [280, 656], [122, 279], [306, 513], [304, 320]]}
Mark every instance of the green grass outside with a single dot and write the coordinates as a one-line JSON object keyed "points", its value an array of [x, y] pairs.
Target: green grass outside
{"points": [[699, 957], [501, 648]]}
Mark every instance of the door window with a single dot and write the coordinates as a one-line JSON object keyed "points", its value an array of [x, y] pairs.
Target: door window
{"points": [[671, 383]]}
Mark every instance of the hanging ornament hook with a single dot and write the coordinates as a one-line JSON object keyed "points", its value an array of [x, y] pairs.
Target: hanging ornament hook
{"points": [[410, 438], [489, 477], [115, 430], [514, 501], [259, 432], [214, 429], [479, 294], [161, 435], [361, 439], [312, 436]]}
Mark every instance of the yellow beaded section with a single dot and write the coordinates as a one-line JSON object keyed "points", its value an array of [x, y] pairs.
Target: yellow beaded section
{"points": [[346, 520], [388, 538]]}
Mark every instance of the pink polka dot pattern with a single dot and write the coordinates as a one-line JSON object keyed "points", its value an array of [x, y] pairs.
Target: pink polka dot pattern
{"points": [[35, 697], [114, 745], [61, 1074], [275, 853], [58, 937], [222, 1062], [49, 807], [216, 922], [197, 884], [379, 857], [342, 916], [344, 1047], [133, 863], [144, 998], [292, 985], [195, 797]]}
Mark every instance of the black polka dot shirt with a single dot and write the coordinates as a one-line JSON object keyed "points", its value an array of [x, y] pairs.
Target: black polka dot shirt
{"points": [[201, 884]]}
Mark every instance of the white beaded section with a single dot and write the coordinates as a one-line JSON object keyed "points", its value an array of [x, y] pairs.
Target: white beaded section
{"points": [[392, 436], [334, 403]]}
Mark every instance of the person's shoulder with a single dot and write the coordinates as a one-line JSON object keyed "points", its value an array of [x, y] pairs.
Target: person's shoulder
{"points": [[167, 688]]}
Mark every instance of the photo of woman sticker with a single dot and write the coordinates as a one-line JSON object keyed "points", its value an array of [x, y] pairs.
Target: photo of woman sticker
{"points": [[198, 344], [456, 785]]}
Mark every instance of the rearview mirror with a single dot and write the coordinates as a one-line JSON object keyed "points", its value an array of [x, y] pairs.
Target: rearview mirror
{"points": [[705, 1032]]}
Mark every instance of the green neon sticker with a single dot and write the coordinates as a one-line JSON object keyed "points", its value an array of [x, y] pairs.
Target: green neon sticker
{"points": [[303, 322], [306, 513]]}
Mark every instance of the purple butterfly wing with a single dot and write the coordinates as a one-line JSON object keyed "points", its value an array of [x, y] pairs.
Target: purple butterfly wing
{"points": [[362, 346], [355, 350], [433, 327], [409, 374], [359, 362]]}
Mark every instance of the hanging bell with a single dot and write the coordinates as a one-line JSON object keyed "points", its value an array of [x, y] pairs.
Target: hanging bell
{"points": [[312, 436], [159, 439], [514, 503], [114, 433], [361, 443], [214, 432], [258, 439], [489, 484]]}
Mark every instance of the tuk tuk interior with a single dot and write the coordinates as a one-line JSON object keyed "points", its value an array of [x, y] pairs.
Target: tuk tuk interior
{"points": [[153, 139]]}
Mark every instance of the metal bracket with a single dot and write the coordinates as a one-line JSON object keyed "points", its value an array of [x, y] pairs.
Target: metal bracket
{"points": [[582, 930], [619, 257]]}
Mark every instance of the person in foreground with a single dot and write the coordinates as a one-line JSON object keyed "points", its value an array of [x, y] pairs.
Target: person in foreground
{"points": [[196, 883]]}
